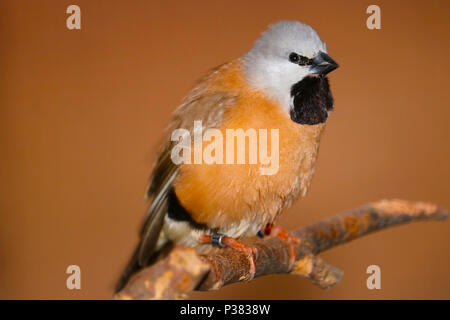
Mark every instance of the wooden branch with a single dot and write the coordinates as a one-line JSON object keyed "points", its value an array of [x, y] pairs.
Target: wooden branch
{"points": [[184, 270]]}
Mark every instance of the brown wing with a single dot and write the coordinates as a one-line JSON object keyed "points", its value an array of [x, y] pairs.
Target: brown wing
{"points": [[199, 105]]}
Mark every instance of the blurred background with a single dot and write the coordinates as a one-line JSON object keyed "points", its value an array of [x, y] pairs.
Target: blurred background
{"points": [[83, 111]]}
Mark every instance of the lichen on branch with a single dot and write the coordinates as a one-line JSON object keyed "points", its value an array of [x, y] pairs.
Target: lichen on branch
{"points": [[183, 270]]}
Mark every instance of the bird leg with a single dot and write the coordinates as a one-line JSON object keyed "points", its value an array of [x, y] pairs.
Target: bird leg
{"points": [[229, 242], [283, 235]]}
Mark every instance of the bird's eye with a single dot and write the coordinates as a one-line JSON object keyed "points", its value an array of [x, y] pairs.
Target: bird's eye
{"points": [[298, 59], [294, 58]]}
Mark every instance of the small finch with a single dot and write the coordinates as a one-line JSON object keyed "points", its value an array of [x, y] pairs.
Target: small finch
{"points": [[280, 84]]}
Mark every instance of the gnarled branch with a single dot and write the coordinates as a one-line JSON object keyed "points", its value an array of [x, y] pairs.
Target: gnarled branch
{"points": [[184, 270]]}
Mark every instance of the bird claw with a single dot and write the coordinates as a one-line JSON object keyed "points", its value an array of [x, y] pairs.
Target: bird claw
{"points": [[286, 236], [229, 242]]}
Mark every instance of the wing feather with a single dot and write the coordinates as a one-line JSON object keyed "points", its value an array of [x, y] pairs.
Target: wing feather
{"points": [[200, 104]]}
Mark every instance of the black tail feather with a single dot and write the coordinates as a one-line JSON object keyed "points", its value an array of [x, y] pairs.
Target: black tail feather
{"points": [[132, 267]]}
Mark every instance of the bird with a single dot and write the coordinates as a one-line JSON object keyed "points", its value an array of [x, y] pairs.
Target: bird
{"points": [[280, 83]]}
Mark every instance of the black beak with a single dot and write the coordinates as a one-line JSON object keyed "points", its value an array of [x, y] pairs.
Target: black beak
{"points": [[322, 64]]}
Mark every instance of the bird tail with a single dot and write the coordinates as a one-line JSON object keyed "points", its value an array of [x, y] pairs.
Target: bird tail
{"points": [[132, 267]]}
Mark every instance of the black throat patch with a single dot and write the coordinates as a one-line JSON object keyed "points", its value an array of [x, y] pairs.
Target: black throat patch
{"points": [[312, 100]]}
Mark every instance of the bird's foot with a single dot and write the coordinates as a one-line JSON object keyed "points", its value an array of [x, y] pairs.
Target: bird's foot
{"points": [[229, 242], [286, 236]]}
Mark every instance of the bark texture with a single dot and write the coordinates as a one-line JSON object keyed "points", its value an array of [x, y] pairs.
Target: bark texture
{"points": [[184, 270]]}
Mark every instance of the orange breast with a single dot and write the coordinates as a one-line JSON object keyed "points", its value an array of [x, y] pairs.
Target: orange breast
{"points": [[224, 194]]}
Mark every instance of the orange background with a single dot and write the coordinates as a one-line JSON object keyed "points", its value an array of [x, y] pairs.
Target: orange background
{"points": [[83, 111]]}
